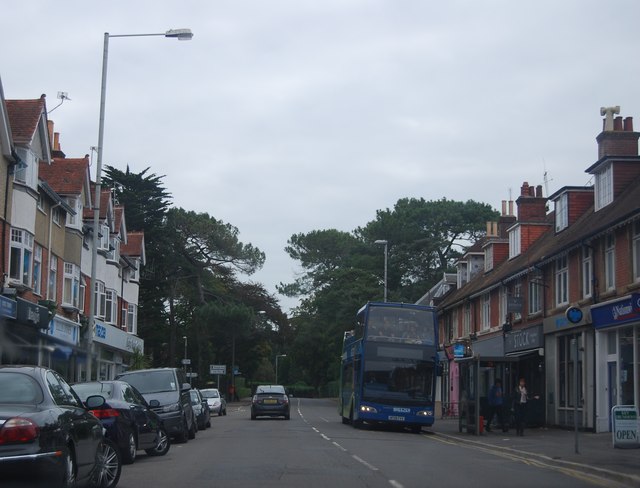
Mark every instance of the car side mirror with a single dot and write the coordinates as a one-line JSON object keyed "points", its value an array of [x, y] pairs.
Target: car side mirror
{"points": [[94, 401], [154, 403]]}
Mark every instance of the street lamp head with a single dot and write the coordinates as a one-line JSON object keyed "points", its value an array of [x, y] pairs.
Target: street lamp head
{"points": [[381, 242], [180, 34], [184, 337]]}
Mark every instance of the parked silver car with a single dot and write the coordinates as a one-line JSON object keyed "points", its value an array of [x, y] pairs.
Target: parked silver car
{"points": [[217, 403]]}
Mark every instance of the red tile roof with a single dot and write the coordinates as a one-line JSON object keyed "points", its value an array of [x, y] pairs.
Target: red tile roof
{"points": [[65, 176], [105, 198], [134, 246], [24, 116], [118, 215]]}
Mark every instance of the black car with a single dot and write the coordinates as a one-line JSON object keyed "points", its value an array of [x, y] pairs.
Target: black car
{"points": [[270, 401], [127, 418], [167, 392], [200, 409], [47, 435]]}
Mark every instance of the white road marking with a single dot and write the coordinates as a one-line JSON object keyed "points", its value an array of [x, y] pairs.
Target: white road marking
{"points": [[339, 446], [322, 418], [362, 461], [325, 437], [395, 484]]}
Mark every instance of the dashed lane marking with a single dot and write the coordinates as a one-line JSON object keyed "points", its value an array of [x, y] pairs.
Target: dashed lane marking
{"points": [[365, 463]]}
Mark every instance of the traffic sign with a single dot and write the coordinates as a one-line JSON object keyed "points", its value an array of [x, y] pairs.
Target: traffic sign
{"points": [[192, 375], [186, 361], [217, 369]]}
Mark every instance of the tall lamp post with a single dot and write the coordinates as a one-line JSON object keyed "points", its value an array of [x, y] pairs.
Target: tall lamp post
{"points": [[180, 34], [386, 255], [278, 356], [184, 359]]}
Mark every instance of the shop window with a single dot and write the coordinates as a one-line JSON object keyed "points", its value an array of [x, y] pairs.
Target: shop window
{"points": [[626, 366], [566, 372]]}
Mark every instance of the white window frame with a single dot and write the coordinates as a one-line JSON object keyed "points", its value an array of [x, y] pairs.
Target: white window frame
{"points": [[37, 269], [635, 249], [132, 318], [55, 215], [562, 280], [21, 257], [26, 172], [52, 288], [82, 292], [515, 243], [466, 320], [562, 212], [534, 303], [488, 258], [100, 299], [71, 285], [610, 261], [587, 271], [485, 319], [103, 243], [517, 292], [114, 248], [123, 315], [74, 220], [503, 297], [603, 187], [111, 305]]}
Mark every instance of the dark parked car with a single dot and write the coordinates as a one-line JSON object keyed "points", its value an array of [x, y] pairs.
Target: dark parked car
{"points": [[270, 401], [217, 403], [169, 387], [127, 418], [47, 435], [200, 410]]}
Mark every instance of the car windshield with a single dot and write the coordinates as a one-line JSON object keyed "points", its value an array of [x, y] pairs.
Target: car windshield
{"points": [[19, 388], [210, 393], [152, 381], [270, 390], [85, 390]]}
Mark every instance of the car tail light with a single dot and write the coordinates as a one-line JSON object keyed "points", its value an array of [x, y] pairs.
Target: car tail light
{"points": [[18, 430], [105, 413]]}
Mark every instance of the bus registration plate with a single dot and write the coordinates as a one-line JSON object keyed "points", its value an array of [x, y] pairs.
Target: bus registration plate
{"points": [[395, 417]]}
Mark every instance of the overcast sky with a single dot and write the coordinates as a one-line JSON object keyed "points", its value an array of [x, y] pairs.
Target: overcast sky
{"points": [[287, 116]]}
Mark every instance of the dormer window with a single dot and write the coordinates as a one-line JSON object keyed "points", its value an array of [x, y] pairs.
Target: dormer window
{"points": [[562, 213], [604, 187], [104, 238], [514, 242]]}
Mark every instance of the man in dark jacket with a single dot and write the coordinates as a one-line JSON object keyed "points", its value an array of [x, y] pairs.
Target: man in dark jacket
{"points": [[496, 406]]}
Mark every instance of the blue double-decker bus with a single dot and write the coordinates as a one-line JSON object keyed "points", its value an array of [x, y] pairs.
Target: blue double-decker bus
{"points": [[389, 364]]}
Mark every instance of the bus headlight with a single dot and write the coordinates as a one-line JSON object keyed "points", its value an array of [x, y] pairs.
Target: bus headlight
{"points": [[367, 409], [425, 413]]}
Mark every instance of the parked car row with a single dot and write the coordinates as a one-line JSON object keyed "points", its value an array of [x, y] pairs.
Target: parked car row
{"points": [[54, 434]]}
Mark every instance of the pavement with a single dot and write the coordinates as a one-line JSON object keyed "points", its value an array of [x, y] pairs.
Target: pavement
{"points": [[554, 446]]}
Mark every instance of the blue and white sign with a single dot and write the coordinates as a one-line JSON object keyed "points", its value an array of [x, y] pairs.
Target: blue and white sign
{"points": [[64, 330], [117, 338], [616, 313], [8, 307]]}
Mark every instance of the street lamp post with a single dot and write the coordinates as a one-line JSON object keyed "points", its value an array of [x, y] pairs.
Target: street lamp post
{"points": [[278, 356], [386, 255], [180, 34], [184, 359]]}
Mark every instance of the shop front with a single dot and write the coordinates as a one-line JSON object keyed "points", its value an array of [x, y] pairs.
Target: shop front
{"points": [[617, 346], [566, 360], [113, 351], [63, 335], [527, 347], [21, 339]]}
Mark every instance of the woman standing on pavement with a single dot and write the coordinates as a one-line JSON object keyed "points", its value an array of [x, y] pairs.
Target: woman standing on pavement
{"points": [[520, 405]]}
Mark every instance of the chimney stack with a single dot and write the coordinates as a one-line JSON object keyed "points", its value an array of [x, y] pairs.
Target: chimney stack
{"points": [[617, 137], [532, 206]]}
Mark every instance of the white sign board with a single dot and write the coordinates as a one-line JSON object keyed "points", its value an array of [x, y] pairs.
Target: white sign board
{"points": [[625, 426], [186, 361], [217, 369]]}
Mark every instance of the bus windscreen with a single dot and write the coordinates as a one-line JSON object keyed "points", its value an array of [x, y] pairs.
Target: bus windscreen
{"points": [[402, 325]]}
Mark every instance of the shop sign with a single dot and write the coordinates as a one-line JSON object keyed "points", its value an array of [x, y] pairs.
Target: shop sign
{"points": [[524, 339], [625, 426], [8, 307], [117, 338], [458, 350], [64, 330], [32, 314], [617, 313]]}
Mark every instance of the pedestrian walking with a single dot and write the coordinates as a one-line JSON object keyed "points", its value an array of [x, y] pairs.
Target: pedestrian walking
{"points": [[496, 406], [521, 398]]}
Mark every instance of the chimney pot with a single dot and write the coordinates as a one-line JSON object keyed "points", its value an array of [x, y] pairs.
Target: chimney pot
{"points": [[510, 207], [524, 189], [488, 229], [56, 141], [617, 123], [628, 124], [504, 207], [539, 191]]}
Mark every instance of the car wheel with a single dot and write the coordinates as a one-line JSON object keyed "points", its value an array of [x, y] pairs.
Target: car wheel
{"points": [[184, 435], [70, 470], [108, 465], [129, 452], [193, 430], [162, 446]]}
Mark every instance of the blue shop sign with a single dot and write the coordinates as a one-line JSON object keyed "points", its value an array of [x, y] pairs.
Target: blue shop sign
{"points": [[8, 307], [617, 313]]}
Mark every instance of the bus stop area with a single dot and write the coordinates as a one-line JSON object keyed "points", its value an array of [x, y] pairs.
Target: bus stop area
{"points": [[596, 453]]}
